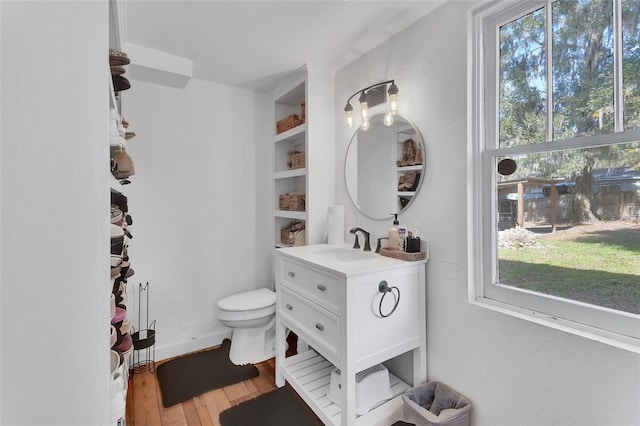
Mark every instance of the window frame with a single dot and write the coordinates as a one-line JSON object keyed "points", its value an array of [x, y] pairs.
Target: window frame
{"points": [[617, 328]]}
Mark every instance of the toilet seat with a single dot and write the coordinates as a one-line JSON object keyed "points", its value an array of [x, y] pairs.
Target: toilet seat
{"points": [[249, 305], [248, 301]]}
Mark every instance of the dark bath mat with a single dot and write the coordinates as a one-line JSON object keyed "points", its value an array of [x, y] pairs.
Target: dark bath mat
{"points": [[281, 407], [192, 375]]}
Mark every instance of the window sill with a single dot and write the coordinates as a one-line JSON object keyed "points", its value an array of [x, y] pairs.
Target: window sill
{"points": [[588, 332]]}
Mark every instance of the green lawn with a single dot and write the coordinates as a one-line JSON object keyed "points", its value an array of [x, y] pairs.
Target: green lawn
{"points": [[600, 267]]}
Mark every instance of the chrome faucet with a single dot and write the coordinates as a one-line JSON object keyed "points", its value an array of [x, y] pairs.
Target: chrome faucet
{"points": [[367, 246]]}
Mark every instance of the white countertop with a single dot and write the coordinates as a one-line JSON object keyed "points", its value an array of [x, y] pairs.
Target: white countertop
{"points": [[345, 260]]}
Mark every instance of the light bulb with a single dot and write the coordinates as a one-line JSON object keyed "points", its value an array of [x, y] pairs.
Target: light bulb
{"points": [[393, 104], [364, 107], [364, 112], [365, 125], [393, 98], [388, 119], [348, 110]]}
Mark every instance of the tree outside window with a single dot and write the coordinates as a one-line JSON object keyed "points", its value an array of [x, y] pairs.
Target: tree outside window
{"points": [[566, 108]]}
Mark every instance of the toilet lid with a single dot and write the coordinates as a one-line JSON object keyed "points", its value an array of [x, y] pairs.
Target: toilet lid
{"points": [[248, 301]]}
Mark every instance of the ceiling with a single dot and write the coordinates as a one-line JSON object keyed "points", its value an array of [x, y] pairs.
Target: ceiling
{"points": [[253, 44]]}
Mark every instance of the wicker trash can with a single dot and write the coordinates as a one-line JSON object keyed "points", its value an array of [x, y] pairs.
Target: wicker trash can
{"points": [[435, 403]]}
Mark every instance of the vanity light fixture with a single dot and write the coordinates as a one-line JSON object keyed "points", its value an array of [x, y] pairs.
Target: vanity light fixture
{"points": [[371, 96]]}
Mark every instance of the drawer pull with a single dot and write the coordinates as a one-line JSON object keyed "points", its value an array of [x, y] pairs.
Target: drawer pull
{"points": [[322, 287], [319, 326], [288, 306], [291, 274]]}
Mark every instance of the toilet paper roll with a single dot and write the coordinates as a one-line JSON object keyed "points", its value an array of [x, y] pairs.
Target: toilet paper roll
{"points": [[336, 225]]}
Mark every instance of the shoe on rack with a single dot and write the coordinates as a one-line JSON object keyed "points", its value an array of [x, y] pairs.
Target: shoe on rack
{"points": [[115, 270], [116, 215], [116, 261], [416, 180], [117, 70], [125, 328], [118, 58], [401, 183], [113, 336], [409, 181], [120, 200], [124, 166], [120, 83]]}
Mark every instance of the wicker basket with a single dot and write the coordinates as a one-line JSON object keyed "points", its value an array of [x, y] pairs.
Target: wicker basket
{"points": [[294, 201], [288, 123], [397, 254], [297, 160]]}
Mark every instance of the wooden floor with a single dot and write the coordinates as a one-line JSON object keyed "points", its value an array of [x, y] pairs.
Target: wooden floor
{"points": [[144, 401]]}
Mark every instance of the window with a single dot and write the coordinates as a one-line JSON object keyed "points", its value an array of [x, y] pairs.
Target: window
{"points": [[554, 184]]}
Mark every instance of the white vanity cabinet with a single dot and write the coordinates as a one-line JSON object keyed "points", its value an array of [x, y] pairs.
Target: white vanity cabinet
{"points": [[329, 296]]}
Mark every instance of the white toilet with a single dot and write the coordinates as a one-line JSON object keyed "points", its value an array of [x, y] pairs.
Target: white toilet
{"points": [[252, 315]]}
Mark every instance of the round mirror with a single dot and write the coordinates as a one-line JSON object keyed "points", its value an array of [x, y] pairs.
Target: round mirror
{"points": [[384, 166]]}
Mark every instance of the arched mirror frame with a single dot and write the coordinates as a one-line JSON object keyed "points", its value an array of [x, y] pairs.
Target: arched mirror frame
{"points": [[376, 120]]}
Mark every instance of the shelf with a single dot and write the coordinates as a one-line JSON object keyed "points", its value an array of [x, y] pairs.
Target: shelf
{"points": [[291, 133], [310, 375], [289, 214], [288, 97], [417, 167], [290, 173], [406, 193]]}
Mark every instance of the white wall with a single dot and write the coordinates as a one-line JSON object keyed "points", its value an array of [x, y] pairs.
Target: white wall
{"points": [[199, 202], [320, 165], [515, 372], [54, 262]]}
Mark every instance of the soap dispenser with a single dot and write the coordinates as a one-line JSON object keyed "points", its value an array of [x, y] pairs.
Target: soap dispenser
{"points": [[394, 239]]}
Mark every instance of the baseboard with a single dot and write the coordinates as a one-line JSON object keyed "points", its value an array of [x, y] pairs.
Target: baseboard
{"points": [[182, 348]]}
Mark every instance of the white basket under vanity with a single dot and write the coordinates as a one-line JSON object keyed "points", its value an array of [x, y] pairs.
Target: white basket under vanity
{"points": [[330, 296]]}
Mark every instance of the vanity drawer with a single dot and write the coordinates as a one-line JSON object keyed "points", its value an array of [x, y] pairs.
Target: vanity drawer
{"points": [[313, 283], [315, 325]]}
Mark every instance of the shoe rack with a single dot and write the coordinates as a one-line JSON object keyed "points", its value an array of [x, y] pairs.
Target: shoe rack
{"points": [[121, 166]]}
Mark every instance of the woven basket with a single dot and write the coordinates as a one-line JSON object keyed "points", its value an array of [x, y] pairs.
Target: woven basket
{"points": [[297, 160], [294, 201], [288, 123]]}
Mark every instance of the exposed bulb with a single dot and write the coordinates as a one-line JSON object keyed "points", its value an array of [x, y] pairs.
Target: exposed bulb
{"points": [[348, 110], [388, 119], [393, 104], [364, 111], [365, 125], [349, 118], [364, 107], [393, 98]]}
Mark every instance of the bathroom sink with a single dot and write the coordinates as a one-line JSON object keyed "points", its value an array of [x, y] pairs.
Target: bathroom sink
{"points": [[342, 254]]}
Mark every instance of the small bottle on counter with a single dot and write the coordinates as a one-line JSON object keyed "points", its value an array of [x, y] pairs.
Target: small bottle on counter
{"points": [[402, 237]]}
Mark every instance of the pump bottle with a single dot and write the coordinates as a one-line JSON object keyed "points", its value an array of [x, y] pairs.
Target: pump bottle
{"points": [[394, 239]]}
